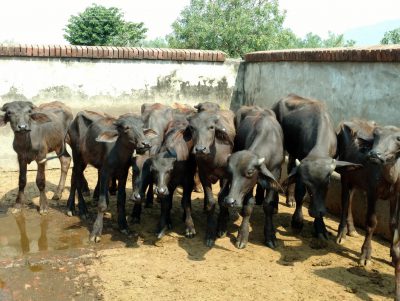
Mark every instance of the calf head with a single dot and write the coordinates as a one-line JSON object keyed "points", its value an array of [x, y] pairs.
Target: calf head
{"points": [[161, 169], [129, 129], [245, 170], [315, 173], [203, 129], [20, 115], [386, 146], [207, 106]]}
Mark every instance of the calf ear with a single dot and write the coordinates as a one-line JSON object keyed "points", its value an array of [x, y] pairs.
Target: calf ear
{"points": [[343, 166], [187, 134], [40, 117], [3, 120], [267, 179], [291, 178], [108, 136], [150, 133]]}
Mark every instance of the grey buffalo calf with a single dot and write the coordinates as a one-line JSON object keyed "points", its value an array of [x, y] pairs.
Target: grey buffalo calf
{"points": [[260, 141], [37, 132], [310, 138]]}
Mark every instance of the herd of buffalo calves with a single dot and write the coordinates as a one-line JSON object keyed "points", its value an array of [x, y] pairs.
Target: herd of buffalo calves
{"points": [[182, 146]]}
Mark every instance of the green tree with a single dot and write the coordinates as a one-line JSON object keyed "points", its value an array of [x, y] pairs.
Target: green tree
{"points": [[391, 37], [155, 43], [233, 26], [99, 25], [312, 40]]}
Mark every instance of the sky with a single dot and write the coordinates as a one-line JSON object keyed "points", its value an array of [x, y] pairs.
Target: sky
{"points": [[42, 21]]}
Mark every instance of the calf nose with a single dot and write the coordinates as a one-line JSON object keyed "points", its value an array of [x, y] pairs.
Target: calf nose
{"points": [[22, 126], [317, 212], [136, 197], [229, 202], [146, 144], [200, 149], [375, 156], [161, 190]]}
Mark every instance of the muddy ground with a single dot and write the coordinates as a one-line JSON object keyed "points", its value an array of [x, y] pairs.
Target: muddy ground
{"points": [[49, 257]]}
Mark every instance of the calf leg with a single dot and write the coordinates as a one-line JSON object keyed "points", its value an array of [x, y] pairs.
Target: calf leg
{"points": [[260, 195], [371, 223], [211, 228], [21, 184], [113, 186], [121, 199], [165, 218], [71, 197], [149, 194], [395, 246], [190, 231], [136, 212], [95, 235], [65, 161], [269, 229], [346, 195], [297, 218], [223, 216], [243, 235], [290, 191], [41, 183], [351, 230]]}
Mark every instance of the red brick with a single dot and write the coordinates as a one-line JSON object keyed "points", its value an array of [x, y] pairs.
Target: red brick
{"points": [[35, 50], [46, 49], [57, 50], [52, 51], [131, 53], [89, 51]]}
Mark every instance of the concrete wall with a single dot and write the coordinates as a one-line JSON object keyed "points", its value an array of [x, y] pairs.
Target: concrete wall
{"points": [[350, 89], [114, 86]]}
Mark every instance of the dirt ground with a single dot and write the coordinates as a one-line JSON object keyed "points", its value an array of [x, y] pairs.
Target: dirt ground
{"points": [[44, 257]]}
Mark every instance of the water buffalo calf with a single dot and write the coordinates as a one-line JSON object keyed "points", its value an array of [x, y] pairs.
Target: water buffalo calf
{"points": [[213, 134], [310, 139], [260, 141], [108, 146], [37, 132]]}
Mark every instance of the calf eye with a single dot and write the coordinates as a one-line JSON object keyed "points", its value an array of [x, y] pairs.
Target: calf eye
{"points": [[9, 112], [211, 127], [250, 172], [398, 138]]}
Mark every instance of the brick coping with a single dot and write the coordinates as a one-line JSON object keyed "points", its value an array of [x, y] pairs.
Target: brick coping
{"points": [[386, 53], [106, 52]]}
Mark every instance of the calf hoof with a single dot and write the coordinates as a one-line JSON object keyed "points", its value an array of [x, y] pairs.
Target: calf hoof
{"points": [[319, 243], [297, 225], [95, 238], [125, 232], [190, 232], [43, 211], [221, 233], [353, 233], [56, 197], [341, 237], [241, 244], [364, 262], [210, 242], [290, 202], [270, 244], [16, 209], [160, 234], [70, 213], [198, 189]]}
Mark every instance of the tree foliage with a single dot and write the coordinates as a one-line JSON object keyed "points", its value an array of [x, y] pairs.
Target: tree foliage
{"points": [[391, 37], [99, 25], [315, 41], [241, 26], [233, 26]]}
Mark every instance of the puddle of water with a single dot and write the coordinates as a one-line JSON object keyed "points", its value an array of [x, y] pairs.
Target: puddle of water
{"points": [[28, 232]]}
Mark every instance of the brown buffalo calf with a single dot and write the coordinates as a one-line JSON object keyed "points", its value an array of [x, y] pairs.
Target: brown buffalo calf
{"points": [[37, 132]]}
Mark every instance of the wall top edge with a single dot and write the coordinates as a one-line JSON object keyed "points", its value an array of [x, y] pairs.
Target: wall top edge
{"points": [[107, 52], [379, 53]]}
